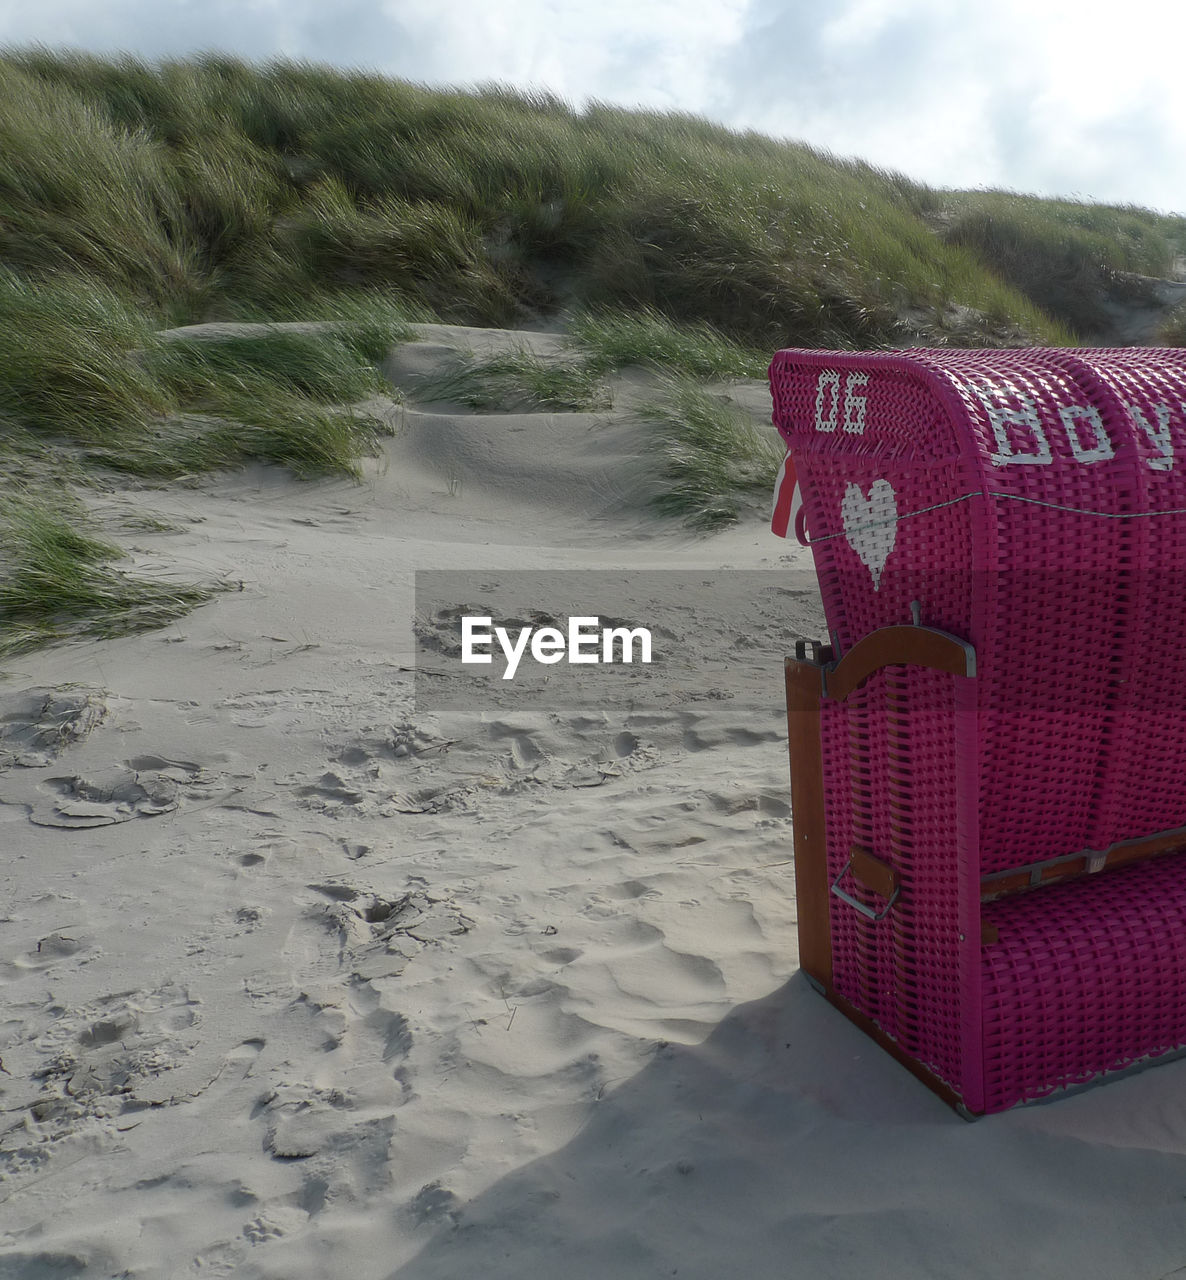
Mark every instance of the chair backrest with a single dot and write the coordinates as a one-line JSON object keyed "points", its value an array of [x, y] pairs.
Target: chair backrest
{"points": [[1034, 503]]}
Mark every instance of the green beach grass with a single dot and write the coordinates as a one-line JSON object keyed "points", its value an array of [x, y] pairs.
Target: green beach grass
{"points": [[138, 197], [714, 457], [610, 340], [318, 365], [80, 364], [518, 380], [57, 580], [209, 187]]}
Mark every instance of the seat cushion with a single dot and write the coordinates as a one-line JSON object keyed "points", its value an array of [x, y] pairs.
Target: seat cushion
{"points": [[1087, 976]]}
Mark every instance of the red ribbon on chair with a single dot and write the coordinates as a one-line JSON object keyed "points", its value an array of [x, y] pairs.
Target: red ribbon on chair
{"points": [[788, 509]]}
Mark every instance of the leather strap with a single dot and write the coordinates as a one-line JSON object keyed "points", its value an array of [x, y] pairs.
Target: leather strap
{"points": [[871, 873]]}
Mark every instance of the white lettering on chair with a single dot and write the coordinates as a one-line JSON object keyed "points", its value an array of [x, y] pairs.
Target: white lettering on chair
{"points": [[1002, 416], [827, 389], [854, 404], [1102, 449], [827, 401], [1011, 423], [1160, 437]]}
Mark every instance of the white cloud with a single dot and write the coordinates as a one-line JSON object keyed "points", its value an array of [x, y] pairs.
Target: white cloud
{"points": [[1055, 97], [658, 53]]}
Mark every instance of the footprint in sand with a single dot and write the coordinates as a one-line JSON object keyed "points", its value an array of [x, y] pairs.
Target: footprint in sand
{"points": [[37, 725], [393, 1033], [301, 1121], [331, 791], [51, 949], [315, 946], [434, 1203], [208, 1078], [525, 754], [143, 787], [105, 797]]}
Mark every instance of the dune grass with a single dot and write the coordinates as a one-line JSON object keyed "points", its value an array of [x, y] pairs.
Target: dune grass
{"points": [[517, 379], [57, 580], [208, 185], [80, 365], [320, 366], [66, 364], [252, 421], [79, 193], [1067, 258], [601, 342], [369, 321], [714, 456], [86, 383], [611, 340]]}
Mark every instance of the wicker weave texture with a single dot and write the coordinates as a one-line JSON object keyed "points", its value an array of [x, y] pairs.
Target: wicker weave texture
{"points": [[1088, 977], [1034, 503], [904, 971], [1011, 493]]}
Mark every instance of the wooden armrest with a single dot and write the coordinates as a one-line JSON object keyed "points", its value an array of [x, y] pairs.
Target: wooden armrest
{"points": [[904, 645]]}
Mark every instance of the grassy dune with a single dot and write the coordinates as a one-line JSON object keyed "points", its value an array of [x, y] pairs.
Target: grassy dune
{"points": [[138, 197], [212, 188]]}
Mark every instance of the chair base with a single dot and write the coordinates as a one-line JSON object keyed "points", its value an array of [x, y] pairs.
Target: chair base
{"points": [[917, 1069], [1052, 987], [1086, 978], [1082, 985]]}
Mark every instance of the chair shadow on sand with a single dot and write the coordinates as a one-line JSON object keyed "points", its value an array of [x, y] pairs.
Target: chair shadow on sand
{"points": [[788, 1144]]}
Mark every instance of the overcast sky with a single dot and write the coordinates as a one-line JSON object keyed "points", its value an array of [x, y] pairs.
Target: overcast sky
{"points": [[1061, 97]]}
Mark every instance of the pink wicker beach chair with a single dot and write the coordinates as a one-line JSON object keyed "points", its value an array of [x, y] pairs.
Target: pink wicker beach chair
{"points": [[988, 754]]}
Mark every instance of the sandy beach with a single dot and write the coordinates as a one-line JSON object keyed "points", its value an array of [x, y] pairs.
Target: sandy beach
{"points": [[308, 971]]}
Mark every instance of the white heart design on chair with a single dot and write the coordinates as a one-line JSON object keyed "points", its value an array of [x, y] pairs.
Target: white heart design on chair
{"points": [[871, 525]]}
